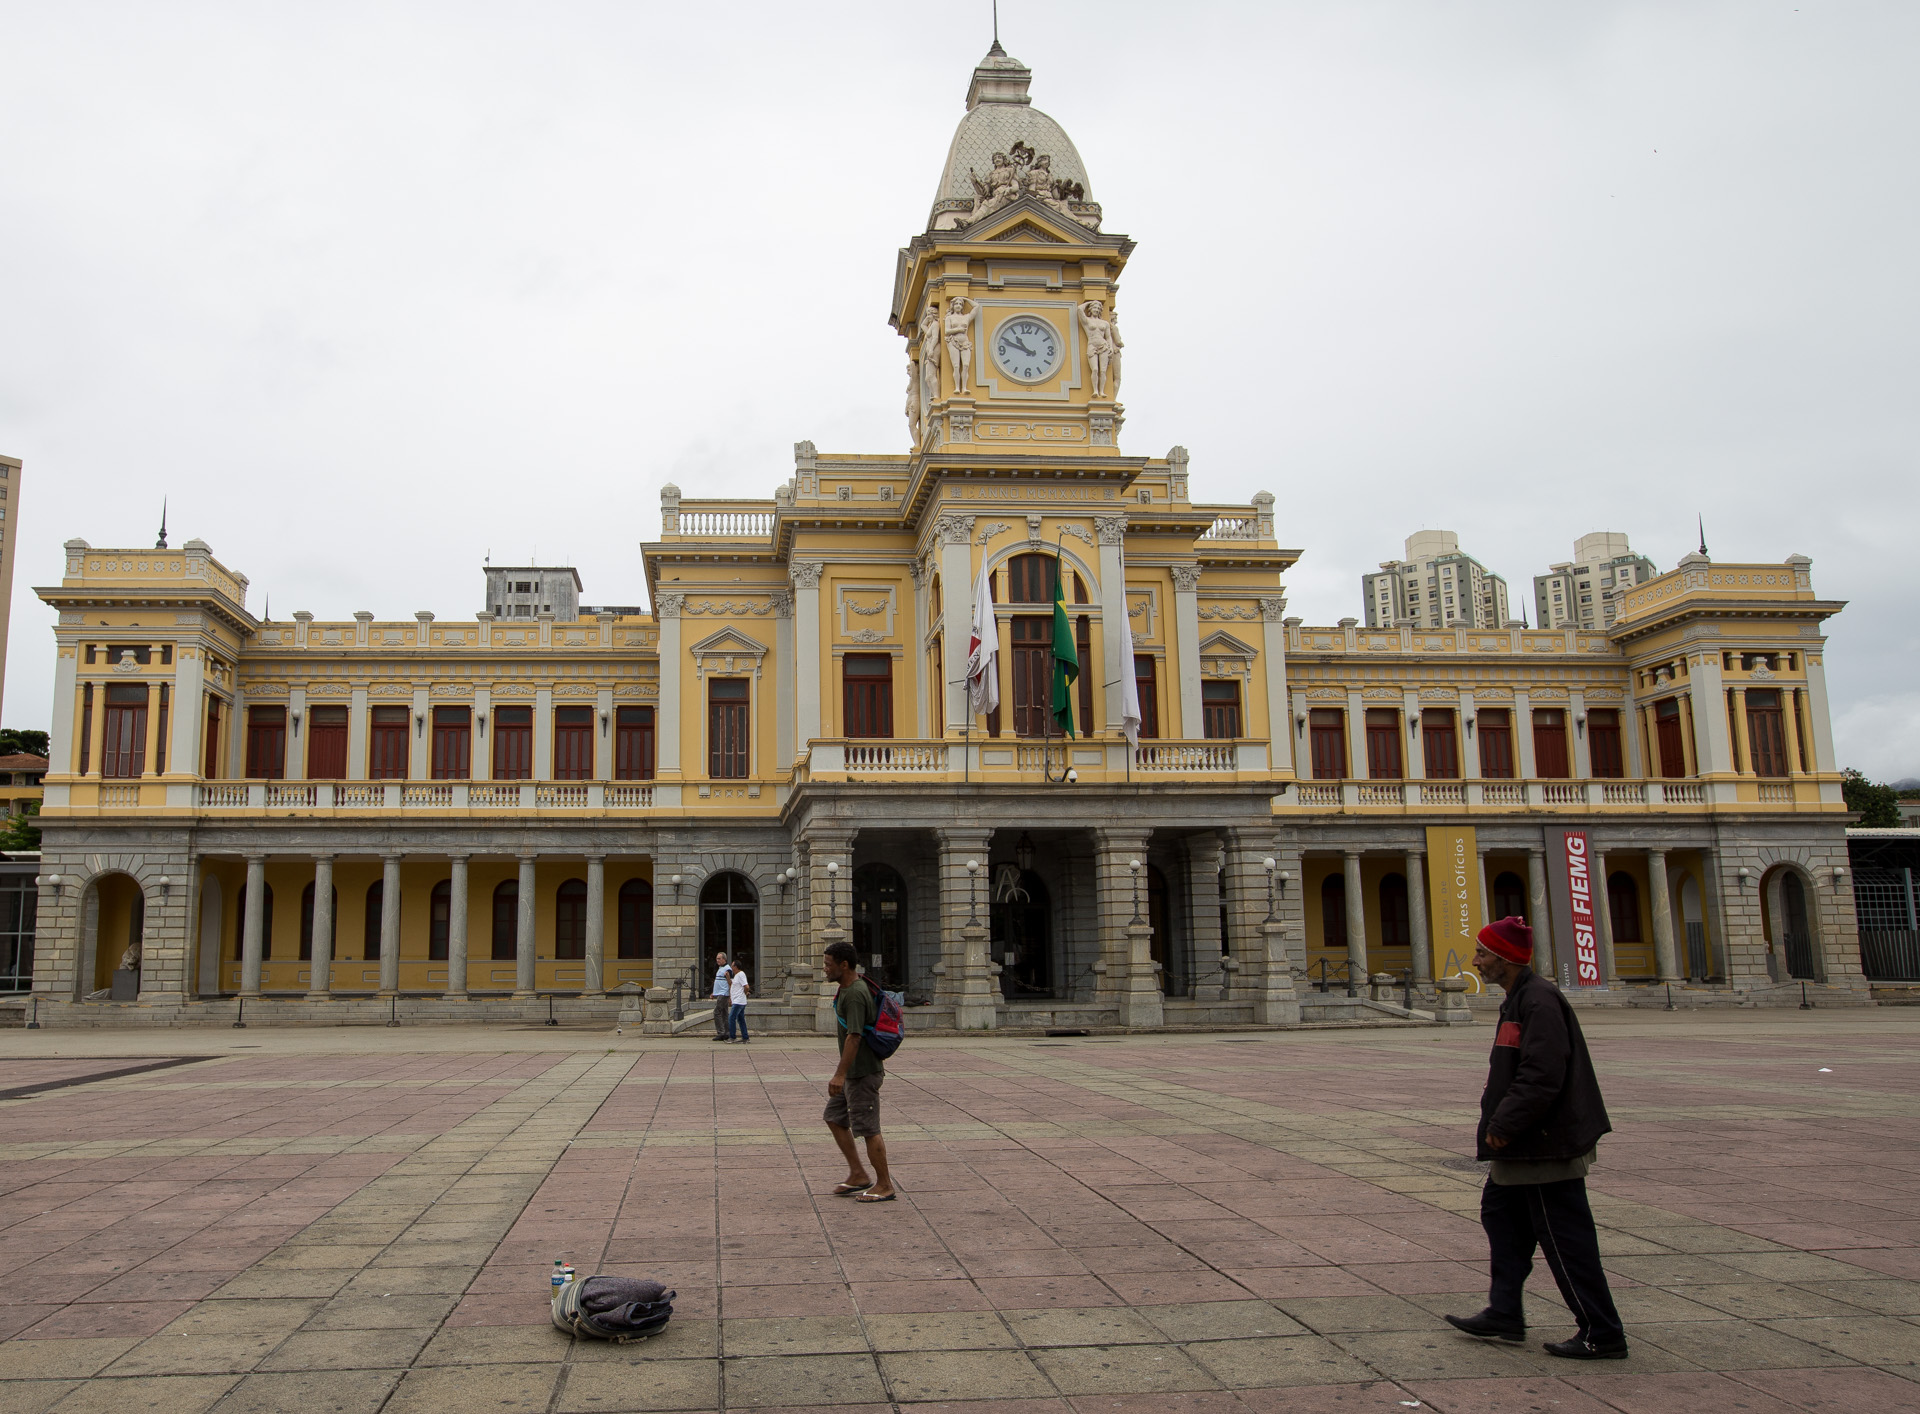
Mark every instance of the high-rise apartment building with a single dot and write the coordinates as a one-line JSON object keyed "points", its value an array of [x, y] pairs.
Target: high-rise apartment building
{"points": [[9, 510], [1436, 586], [1585, 592]]}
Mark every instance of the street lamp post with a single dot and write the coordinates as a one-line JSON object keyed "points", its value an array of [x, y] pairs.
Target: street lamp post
{"points": [[973, 893], [833, 895], [1133, 868]]}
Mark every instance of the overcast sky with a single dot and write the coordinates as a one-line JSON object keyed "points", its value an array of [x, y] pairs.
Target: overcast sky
{"points": [[370, 291]]}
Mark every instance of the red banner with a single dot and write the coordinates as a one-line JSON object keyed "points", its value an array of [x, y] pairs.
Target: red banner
{"points": [[1586, 946]]}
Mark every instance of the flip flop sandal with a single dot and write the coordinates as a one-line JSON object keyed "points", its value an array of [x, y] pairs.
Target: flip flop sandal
{"points": [[876, 1198], [847, 1190]]}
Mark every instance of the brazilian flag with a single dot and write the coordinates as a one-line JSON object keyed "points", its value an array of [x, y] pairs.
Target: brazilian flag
{"points": [[1066, 658]]}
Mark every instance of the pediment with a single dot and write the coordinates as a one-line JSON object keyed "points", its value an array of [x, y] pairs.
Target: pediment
{"points": [[1221, 644], [1029, 220], [728, 640]]}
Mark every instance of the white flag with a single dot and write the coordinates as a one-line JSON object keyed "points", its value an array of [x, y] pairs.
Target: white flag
{"points": [[983, 650], [1129, 694]]}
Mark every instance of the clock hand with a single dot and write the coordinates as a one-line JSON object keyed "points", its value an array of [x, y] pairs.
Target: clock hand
{"points": [[1023, 348]]}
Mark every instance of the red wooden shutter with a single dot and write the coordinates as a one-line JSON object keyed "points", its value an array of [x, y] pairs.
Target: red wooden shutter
{"points": [[1666, 725], [727, 723], [1603, 744], [1327, 727], [512, 744], [327, 743], [452, 743], [573, 743], [1766, 732], [1146, 684], [1439, 745], [266, 743], [1496, 744], [1383, 744], [387, 744], [123, 752], [633, 745], [1220, 709], [1550, 744], [867, 694], [1032, 655]]}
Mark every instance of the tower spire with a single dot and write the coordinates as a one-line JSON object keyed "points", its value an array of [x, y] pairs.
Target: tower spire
{"points": [[1702, 522], [161, 543], [996, 30]]}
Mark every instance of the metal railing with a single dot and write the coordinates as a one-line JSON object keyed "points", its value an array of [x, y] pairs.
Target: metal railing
{"points": [[1328, 971], [1170, 756]]}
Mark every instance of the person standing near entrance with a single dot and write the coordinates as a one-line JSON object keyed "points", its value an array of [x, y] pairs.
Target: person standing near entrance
{"points": [[1541, 1119], [738, 990], [853, 1094], [722, 995]]}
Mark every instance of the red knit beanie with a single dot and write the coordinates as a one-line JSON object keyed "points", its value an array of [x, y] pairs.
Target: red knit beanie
{"points": [[1510, 938]]}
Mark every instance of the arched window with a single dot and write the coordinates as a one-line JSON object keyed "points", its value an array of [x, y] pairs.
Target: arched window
{"points": [[439, 920], [1333, 911], [729, 923], [376, 904], [306, 922], [506, 921], [1623, 907], [636, 919], [1509, 896], [266, 923], [1396, 928], [1030, 579], [1799, 937], [570, 921]]}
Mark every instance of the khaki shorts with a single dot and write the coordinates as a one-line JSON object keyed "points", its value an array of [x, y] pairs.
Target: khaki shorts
{"points": [[857, 1106]]}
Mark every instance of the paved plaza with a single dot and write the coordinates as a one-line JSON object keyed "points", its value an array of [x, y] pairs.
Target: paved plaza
{"points": [[365, 1219]]}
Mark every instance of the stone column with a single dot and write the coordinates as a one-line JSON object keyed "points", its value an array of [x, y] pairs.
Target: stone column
{"points": [[1707, 698], [596, 923], [1540, 913], [1661, 906], [1186, 645], [1819, 720], [954, 534], [457, 926], [1523, 735], [1125, 968], [1116, 630], [189, 719], [1603, 920], [831, 899], [1205, 945], [1797, 764], [1417, 919], [252, 925], [1246, 908], [1486, 894], [962, 977], [1742, 738], [667, 706], [805, 575], [1356, 921], [320, 973], [390, 925], [523, 974], [1273, 652], [356, 733]]}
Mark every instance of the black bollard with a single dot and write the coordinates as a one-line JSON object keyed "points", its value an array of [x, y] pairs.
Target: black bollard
{"points": [[33, 1022], [1805, 1005], [1669, 996], [393, 1010], [239, 1014], [550, 1020]]}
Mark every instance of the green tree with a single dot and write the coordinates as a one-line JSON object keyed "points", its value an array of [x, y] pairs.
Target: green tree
{"points": [[1878, 805], [14, 741], [20, 832]]}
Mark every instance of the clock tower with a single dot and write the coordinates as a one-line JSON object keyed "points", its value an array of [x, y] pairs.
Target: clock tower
{"points": [[1006, 300]]}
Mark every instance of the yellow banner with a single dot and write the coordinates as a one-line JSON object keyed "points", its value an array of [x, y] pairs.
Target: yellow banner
{"points": [[1453, 888]]}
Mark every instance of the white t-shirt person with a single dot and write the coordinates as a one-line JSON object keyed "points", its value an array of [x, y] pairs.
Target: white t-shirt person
{"points": [[738, 988]]}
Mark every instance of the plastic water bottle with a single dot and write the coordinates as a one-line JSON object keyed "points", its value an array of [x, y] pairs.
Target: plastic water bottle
{"points": [[568, 1272], [559, 1278]]}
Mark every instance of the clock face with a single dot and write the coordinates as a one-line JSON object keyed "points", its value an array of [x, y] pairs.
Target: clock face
{"points": [[1026, 348]]}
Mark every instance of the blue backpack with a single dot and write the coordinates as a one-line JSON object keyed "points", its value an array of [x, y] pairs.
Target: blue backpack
{"points": [[884, 1036]]}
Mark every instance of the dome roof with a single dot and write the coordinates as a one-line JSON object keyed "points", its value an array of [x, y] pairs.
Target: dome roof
{"points": [[999, 115]]}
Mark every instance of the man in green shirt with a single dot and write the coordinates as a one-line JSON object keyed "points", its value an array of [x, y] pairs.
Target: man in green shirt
{"points": [[853, 1094]]}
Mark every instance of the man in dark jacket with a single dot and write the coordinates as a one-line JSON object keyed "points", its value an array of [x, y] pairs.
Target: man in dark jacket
{"points": [[1541, 1119]]}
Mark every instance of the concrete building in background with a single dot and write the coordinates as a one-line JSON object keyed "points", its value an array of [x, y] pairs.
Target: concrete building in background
{"points": [[533, 591], [1436, 586], [1585, 592], [9, 510]]}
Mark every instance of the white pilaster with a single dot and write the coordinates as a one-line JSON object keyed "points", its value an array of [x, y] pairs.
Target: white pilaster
{"points": [[320, 973], [252, 923], [1186, 636], [457, 927], [1273, 609], [1116, 630], [523, 974], [390, 925], [596, 924]]}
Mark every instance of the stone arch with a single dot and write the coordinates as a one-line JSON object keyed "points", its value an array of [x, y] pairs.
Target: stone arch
{"points": [[1792, 917], [113, 908], [996, 558]]}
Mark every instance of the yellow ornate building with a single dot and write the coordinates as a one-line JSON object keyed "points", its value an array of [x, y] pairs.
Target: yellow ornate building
{"points": [[473, 816]]}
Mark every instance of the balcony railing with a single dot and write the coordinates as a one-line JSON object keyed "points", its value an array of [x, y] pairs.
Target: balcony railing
{"points": [[1095, 759], [1186, 757], [1514, 795], [900, 757], [416, 795]]}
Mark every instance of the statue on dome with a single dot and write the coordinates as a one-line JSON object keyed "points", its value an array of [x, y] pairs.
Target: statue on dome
{"points": [[1045, 188], [960, 341], [1001, 188], [1103, 346]]}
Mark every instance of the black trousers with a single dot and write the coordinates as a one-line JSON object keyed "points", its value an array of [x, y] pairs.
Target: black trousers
{"points": [[721, 1007], [1555, 1218]]}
